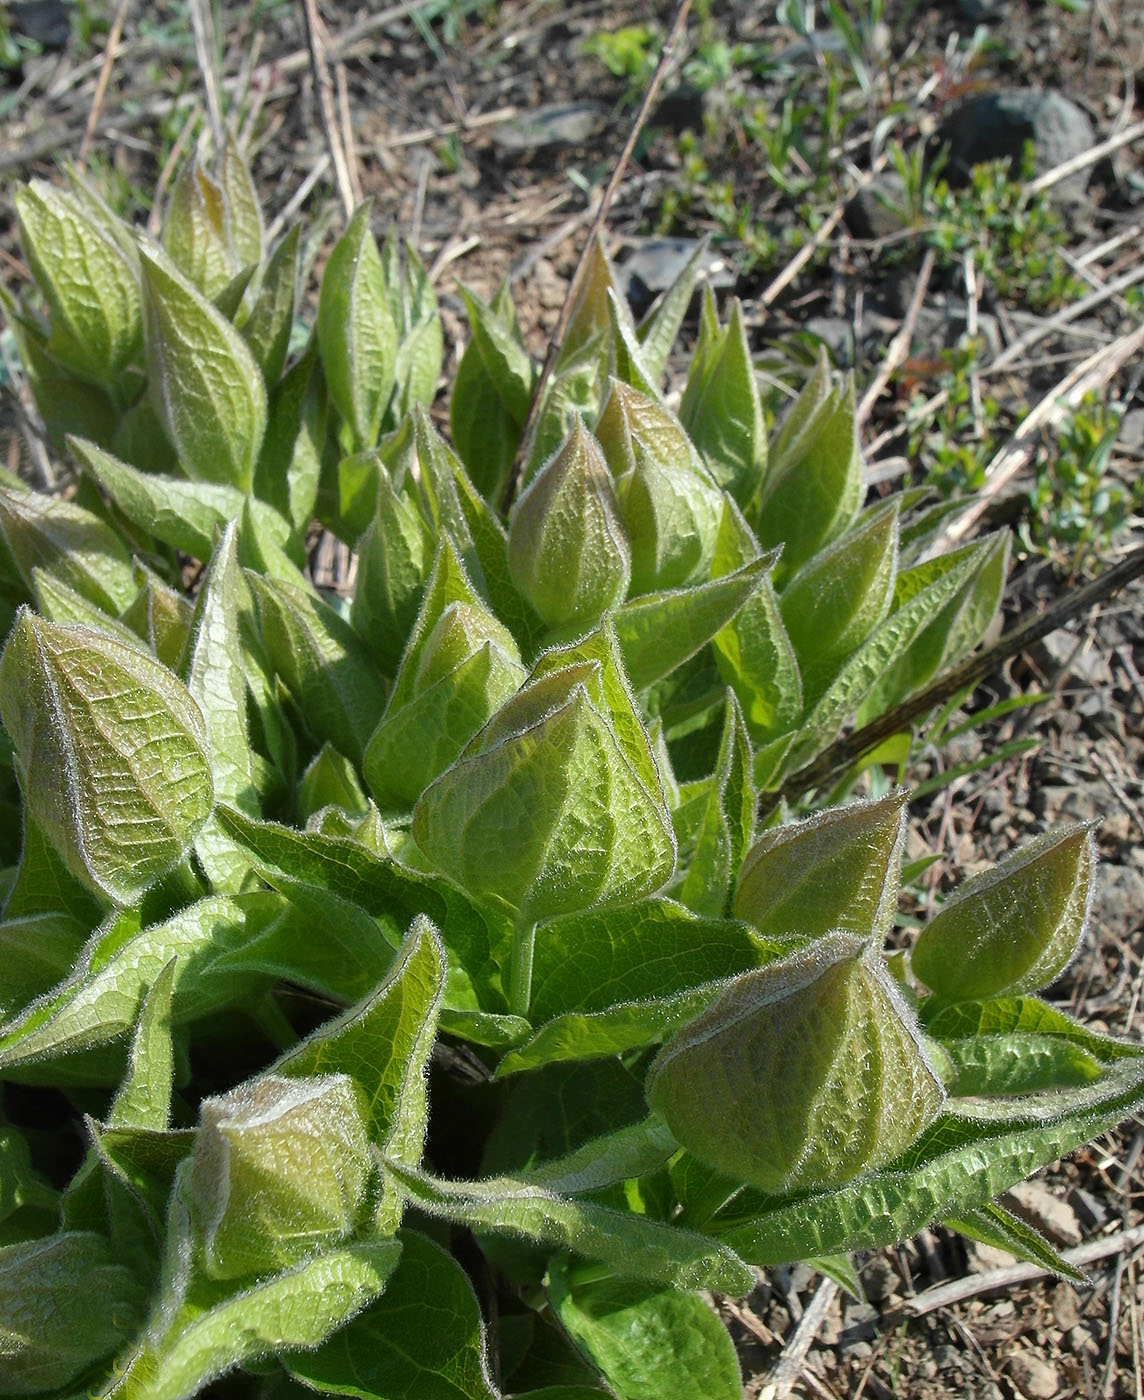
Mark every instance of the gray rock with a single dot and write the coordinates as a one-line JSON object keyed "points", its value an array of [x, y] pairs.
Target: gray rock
{"points": [[996, 126], [984, 11], [1033, 1375], [1044, 1210], [651, 265], [549, 128], [878, 210]]}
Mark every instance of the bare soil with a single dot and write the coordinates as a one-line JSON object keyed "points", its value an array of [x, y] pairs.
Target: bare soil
{"points": [[429, 108]]}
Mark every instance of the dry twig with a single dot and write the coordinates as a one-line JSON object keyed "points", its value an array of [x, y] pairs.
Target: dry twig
{"points": [[899, 347], [109, 53], [319, 65], [833, 762]]}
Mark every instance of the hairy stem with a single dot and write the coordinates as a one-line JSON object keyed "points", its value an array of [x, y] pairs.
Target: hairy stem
{"points": [[520, 971]]}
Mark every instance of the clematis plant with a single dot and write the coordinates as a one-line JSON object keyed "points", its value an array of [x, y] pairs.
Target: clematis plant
{"points": [[356, 934]]}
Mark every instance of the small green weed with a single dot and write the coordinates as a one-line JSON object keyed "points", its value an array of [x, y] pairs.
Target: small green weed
{"points": [[1075, 505]]}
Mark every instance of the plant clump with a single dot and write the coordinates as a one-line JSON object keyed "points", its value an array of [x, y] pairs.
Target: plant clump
{"points": [[465, 909]]}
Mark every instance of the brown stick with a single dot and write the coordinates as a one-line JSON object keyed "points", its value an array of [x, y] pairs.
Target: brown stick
{"points": [[597, 224], [844, 753], [899, 348], [960, 1289], [113, 37], [1086, 378], [315, 36]]}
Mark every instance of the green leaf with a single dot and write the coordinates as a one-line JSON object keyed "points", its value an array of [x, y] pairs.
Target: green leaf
{"points": [[839, 869], [837, 599], [660, 631], [44, 884], [37, 951], [195, 232], [289, 466], [670, 509], [56, 602], [475, 939], [629, 1152], [460, 665], [343, 964], [113, 751], [100, 1001], [394, 558], [484, 413], [993, 1225], [420, 348], [66, 540], [958, 1165], [958, 627], [589, 320], [64, 1303], [1022, 1015], [624, 978], [160, 616], [814, 487], [634, 1246], [728, 823], [330, 780], [424, 1339], [647, 1341], [805, 1073], [753, 651], [267, 328], [20, 1184], [989, 1066], [144, 1097], [89, 282], [384, 1044], [356, 331], [1015, 927], [881, 650], [722, 412], [206, 384], [215, 679], [243, 211], [567, 550], [295, 1309], [323, 662]]}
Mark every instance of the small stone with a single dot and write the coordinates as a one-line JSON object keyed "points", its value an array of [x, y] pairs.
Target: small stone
{"points": [[1046, 1211], [878, 210], [983, 1258], [1034, 1375], [1062, 803], [996, 125], [1066, 1306]]}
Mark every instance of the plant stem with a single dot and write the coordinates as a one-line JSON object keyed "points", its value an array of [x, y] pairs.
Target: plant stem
{"points": [[520, 971]]}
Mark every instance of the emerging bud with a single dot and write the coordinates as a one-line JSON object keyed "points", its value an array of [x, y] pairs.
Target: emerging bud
{"points": [[64, 1305], [803, 1074], [567, 550], [281, 1168], [466, 669], [556, 805], [671, 509], [1014, 928]]}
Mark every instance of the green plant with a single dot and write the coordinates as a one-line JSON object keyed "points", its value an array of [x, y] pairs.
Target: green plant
{"points": [[955, 442], [1014, 238], [1076, 506], [490, 831]]}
